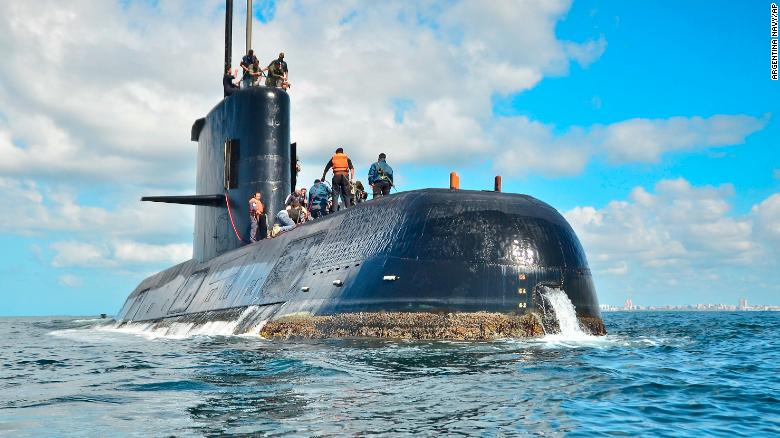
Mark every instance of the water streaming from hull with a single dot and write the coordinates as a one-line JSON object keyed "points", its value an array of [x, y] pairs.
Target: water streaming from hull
{"points": [[564, 312], [560, 320]]}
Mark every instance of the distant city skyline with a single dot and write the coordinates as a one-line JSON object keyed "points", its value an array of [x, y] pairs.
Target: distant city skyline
{"points": [[741, 305]]}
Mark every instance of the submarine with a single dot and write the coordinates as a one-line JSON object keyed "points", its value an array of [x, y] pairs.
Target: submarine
{"points": [[437, 263]]}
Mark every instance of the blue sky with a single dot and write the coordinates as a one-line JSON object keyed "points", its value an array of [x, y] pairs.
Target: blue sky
{"points": [[651, 126], [663, 60]]}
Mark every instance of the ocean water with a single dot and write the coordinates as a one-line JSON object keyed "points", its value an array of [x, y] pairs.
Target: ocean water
{"points": [[655, 374]]}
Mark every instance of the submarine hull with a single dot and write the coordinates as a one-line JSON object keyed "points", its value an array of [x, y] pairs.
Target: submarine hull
{"points": [[424, 252], [389, 266]]}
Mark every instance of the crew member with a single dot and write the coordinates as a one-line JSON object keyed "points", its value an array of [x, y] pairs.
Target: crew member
{"points": [[277, 73], [343, 173], [285, 222], [299, 194], [256, 218], [318, 199], [358, 193], [380, 177], [256, 72], [246, 65], [297, 212], [227, 83]]}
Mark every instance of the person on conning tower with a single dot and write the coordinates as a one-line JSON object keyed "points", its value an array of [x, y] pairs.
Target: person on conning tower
{"points": [[277, 73], [246, 65], [256, 72], [227, 83], [343, 173]]}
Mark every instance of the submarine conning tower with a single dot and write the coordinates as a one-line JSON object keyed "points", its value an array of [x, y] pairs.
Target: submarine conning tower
{"points": [[243, 148]]}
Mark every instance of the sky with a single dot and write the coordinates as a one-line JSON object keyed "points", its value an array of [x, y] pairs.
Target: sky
{"points": [[653, 127]]}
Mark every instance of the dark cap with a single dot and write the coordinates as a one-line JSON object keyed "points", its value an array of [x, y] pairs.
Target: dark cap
{"points": [[382, 155]]}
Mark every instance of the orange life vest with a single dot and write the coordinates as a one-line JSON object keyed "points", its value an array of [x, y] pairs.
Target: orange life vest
{"points": [[340, 162]]}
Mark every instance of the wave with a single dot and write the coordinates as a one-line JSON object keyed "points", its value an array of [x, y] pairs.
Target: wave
{"points": [[183, 330]]}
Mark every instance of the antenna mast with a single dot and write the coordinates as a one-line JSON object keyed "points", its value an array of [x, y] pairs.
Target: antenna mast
{"points": [[228, 32], [248, 25]]}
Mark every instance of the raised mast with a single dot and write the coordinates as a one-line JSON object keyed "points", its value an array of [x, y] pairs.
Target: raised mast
{"points": [[248, 25], [228, 32]]}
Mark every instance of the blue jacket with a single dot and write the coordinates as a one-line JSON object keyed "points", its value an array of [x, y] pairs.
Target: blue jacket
{"points": [[247, 61], [373, 172], [319, 193]]}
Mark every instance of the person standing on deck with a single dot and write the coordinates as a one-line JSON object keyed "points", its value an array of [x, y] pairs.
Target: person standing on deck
{"points": [[300, 195], [343, 173], [318, 199], [380, 177], [256, 218]]}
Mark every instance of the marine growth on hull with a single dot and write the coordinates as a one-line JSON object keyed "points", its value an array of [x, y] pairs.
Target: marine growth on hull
{"points": [[477, 326]]}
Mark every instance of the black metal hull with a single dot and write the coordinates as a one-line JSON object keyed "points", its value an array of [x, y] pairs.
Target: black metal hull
{"points": [[432, 250]]}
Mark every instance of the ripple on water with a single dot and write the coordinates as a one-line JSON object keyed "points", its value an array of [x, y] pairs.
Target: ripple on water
{"points": [[76, 398], [176, 385], [680, 374]]}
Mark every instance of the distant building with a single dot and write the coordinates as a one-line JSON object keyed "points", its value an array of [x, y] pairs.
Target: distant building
{"points": [[629, 305], [743, 304]]}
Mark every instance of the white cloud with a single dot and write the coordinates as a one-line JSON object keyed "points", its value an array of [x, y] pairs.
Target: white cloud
{"points": [[129, 251], [70, 280], [70, 253], [106, 101], [585, 54], [97, 237], [619, 268], [679, 233], [767, 218], [117, 253], [116, 101], [38, 209], [533, 146], [645, 140], [446, 62], [678, 224]]}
